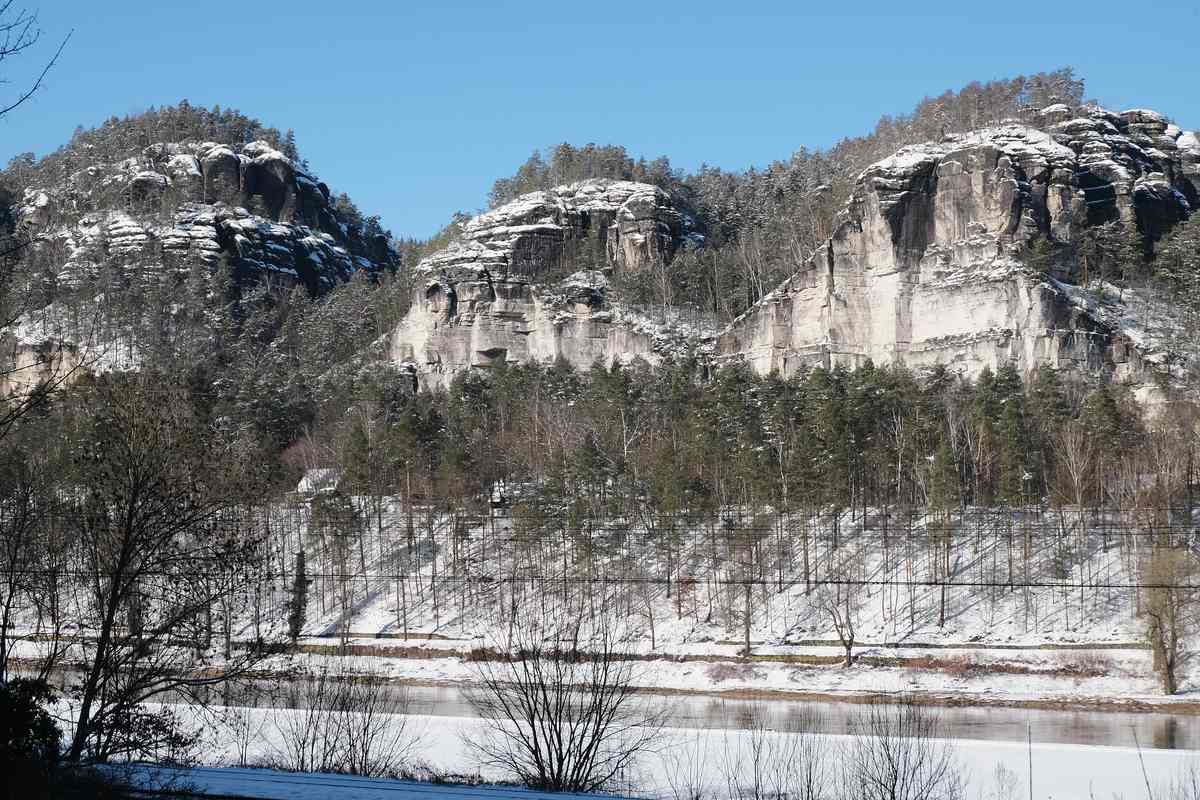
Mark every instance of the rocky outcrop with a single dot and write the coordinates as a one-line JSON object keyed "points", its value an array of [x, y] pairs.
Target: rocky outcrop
{"points": [[928, 263], [605, 224], [497, 294], [182, 203], [170, 218]]}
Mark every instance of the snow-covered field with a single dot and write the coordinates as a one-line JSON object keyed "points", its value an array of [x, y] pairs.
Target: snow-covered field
{"points": [[1112, 677], [274, 785], [1040, 606], [1058, 771]]}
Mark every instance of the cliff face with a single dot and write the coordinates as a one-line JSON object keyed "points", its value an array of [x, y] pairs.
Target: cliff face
{"points": [[929, 263], [495, 295], [181, 203], [925, 266], [101, 233]]}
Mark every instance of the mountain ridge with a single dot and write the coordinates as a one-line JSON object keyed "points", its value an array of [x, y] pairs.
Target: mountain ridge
{"points": [[949, 226]]}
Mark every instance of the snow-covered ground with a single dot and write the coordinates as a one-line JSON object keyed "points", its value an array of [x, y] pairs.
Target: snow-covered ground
{"points": [[1058, 771], [1117, 677], [1077, 563], [274, 785], [414, 607], [1074, 634]]}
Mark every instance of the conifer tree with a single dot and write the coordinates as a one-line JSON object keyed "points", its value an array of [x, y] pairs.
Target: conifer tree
{"points": [[1014, 473], [944, 489], [298, 605]]}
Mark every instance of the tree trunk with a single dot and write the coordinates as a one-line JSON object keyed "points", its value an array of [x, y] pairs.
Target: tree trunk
{"points": [[747, 620]]}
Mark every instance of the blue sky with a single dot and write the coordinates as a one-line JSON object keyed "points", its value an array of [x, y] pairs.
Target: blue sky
{"points": [[415, 108]]}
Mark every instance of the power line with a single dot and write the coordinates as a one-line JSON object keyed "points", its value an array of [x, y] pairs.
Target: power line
{"points": [[551, 579]]}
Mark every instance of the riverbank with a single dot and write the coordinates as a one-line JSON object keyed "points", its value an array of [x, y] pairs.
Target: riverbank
{"points": [[1081, 676], [1103, 676]]}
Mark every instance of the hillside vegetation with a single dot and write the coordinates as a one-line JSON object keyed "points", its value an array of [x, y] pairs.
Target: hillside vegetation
{"points": [[181, 347]]}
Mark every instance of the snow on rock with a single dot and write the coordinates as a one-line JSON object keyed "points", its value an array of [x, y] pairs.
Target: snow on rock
{"points": [[183, 205], [622, 223], [490, 297], [35, 209], [928, 266], [1188, 144], [293, 230]]}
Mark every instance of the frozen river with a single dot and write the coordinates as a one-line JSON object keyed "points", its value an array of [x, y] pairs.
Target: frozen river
{"points": [[994, 723]]}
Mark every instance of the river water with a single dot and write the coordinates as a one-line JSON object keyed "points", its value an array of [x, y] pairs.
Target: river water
{"points": [[994, 723]]}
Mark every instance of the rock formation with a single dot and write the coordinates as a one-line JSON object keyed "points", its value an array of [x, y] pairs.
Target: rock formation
{"points": [[497, 294], [925, 266], [152, 219], [202, 202], [929, 263]]}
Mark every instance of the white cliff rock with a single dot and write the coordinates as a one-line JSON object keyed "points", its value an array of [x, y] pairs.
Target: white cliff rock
{"points": [[925, 267], [492, 297], [154, 217]]}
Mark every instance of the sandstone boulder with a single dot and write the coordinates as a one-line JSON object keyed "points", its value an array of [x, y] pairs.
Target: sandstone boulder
{"points": [[146, 190], [222, 170]]}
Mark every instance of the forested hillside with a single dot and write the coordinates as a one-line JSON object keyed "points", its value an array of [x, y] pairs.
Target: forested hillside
{"points": [[760, 223], [211, 449], [200, 243]]}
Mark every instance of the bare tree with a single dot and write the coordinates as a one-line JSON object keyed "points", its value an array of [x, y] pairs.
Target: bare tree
{"points": [[19, 32], [1184, 785], [346, 721], [897, 752], [839, 598], [28, 375], [244, 727], [685, 766], [1166, 603], [161, 544], [771, 759], [559, 702], [1005, 785], [22, 506]]}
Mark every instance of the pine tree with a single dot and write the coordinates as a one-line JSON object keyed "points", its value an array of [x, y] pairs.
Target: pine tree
{"points": [[1012, 438], [944, 489], [289, 146], [1014, 449], [1041, 256], [1047, 411], [298, 605], [988, 405]]}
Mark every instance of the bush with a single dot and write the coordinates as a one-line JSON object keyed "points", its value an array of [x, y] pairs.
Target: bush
{"points": [[30, 751], [31, 756], [343, 721], [29, 736]]}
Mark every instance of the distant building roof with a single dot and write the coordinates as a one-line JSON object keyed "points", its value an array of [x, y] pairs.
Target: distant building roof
{"points": [[315, 481]]}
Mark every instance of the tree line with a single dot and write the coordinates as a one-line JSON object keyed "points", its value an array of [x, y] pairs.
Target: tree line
{"points": [[683, 437]]}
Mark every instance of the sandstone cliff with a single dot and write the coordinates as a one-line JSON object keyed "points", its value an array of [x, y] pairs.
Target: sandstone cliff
{"points": [[926, 265], [104, 233], [497, 294], [180, 202]]}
